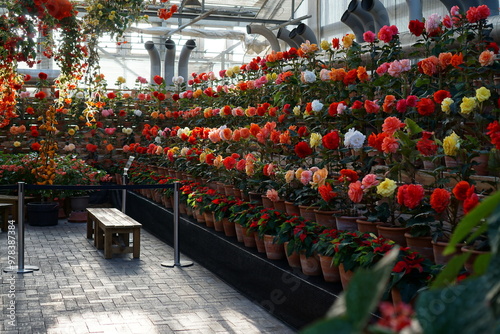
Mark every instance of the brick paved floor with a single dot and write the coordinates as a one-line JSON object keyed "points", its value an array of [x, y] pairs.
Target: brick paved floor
{"points": [[76, 290]]}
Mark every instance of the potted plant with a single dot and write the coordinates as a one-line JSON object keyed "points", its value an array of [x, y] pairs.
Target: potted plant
{"points": [[266, 228]]}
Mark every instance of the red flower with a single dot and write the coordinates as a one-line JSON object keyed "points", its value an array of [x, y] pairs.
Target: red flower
{"points": [[59, 9], [471, 201], [302, 149], [302, 131], [332, 109], [111, 95], [425, 106], [331, 140], [36, 146], [210, 159], [474, 14], [91, 147], [440, 199], [460, 190], [158, 80], [416, 27], [42, 76], [376, 140], [326, 192], [440, 95], [494, 133], [426, 146], [410, 195], [229, 162], [348, 175], [350, 77]]}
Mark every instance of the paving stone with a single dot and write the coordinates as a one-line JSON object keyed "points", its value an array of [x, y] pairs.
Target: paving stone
{"points": [[77, 291]]}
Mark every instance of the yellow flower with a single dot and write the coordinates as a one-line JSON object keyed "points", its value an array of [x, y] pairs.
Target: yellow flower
{"points": [[17, 144], [274, 76], [71, 132], [298, 173], [250, 168], [386, 188], [451, 144], [325, 45], [482, 94], [468, 104], [229, 72], [315, 139], [445, 105], [296, 110], [121, 80], [218, 161], [203, 157], [236, 69], [319, 178], [347, 40], [289, 176]]}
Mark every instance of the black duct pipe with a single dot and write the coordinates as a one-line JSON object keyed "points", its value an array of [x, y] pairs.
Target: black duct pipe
{"points": [[184, 58], [450, 3], [363, 16], [154, 58], [268, 34], [307, 33], [378, 12], [415, 10], [354, 23], [284, 35], [296, 37], [169, 61]]}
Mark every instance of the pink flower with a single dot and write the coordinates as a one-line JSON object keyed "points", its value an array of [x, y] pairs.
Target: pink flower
{"points": [[432, 24], [306, 177], [385, 34], [141, 96], [110, 131], [272, 195], [390, 145], [411, 101], [214, 136], [369, 36], [401, 106], [382, 69], [395, 69], [355, 191], [369, 181]]}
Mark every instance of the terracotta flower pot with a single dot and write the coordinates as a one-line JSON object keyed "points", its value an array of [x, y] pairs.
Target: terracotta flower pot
{"points": [[345, 276], [367, 227], [346, 223], [438, 248], [326, 218], [273, 251], [238, 229], [259, 242], [199, 216], [330, 271], [396, 234], [209, 219], [307, 212], [279, 205], [266, 202], [291, 208], [422, 245], [310, 265], [293, 259], [255, 197], [218, 225], [469, 264], [229, 227], [248, 239]]}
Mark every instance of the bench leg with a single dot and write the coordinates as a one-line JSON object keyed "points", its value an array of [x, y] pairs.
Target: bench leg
{"points": [[108, 242], [98, 237], [90, 227], [137, 242]]}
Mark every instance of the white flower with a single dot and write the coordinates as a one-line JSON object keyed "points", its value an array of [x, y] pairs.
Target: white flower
{"points": [[308, 76], [316, 105], [184, 151], [127, 131], [186, 131], [340, 108], [354, 139], [158, 140], [69, 147], [137, 112], [178, 80]]}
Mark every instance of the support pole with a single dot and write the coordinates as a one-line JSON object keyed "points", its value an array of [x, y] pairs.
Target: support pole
{"points": [[20, 268], [124, 191], [177, 261]]}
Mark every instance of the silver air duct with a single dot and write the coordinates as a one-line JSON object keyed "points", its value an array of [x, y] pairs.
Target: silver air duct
{"points": [[268, 34], [154, 57], [184, 58], [284, 35], [354, 23], [378, 11], [168, 71], [307, 33], [492, 5], [450, 3], [363, 16], [296, 37], [415, 9]]}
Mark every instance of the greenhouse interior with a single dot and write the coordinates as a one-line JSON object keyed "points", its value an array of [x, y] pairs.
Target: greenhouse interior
{"points": [[252, 166]]}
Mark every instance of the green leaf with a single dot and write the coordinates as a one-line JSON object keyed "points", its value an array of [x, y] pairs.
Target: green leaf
{"points": [[450, 271], [471, 220], [413, 127]]}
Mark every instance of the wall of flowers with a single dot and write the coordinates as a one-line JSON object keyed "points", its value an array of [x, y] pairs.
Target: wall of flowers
{"points": [[398, 136]]}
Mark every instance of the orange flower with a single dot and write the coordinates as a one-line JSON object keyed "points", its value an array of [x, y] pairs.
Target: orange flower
{"points": [[429, 65], [337, 74], [391, 125], [487, 58], [362, 74], [457, 60], [460, 190], [444, 59], [326, 192], [389, 103], [254, 129], [440, 199]]}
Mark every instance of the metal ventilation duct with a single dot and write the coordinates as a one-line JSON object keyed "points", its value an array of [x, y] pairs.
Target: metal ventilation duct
{"points": [[378, 11], [492, 5], [268, 34], [284, 35], [363, 16], [296, 37], [415, 9], [169, 61], [354, 23], [307, 33], [184, 58], [154, 57], [450, 3]]}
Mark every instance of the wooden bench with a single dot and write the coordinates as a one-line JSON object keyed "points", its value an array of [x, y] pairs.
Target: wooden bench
{"points": [[111, 229], [5, 211], [11, 199]]}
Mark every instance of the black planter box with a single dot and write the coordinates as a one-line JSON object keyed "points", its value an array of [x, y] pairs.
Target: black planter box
{"points": [[288, 294]]}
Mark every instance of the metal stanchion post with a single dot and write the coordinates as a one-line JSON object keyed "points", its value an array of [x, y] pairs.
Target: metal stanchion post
{"points": [[124, 192], [177, 261], [20, 268]]}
